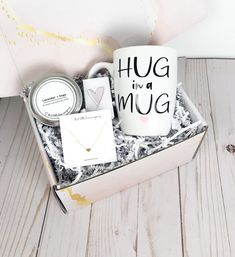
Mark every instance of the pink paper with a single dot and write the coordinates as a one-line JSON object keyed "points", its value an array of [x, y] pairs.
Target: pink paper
{"points": [[42, 37]]}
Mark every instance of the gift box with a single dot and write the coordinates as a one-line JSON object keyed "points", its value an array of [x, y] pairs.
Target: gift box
{"points": [[105, 184]]}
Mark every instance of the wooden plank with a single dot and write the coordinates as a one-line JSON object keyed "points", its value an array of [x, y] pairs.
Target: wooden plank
{"points": [[159, 231], [221, 77], [23, 185], [64, 235], [181, 69], [203, 214], [113, 226], [10, 112]]}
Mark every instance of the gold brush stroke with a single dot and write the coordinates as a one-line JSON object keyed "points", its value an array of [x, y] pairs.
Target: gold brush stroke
{"points": [[81, 200], [9, 13], [50, 35], [46, 163], [26, 27]]}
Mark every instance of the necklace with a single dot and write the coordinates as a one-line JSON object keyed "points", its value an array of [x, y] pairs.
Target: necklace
{"points": [[88, 149]]}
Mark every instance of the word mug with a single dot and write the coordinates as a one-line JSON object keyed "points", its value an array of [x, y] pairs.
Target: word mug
{"points": [[145, 79]]}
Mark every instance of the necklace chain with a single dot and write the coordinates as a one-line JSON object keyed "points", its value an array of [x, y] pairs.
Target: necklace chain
{"points": [[94, 143]]}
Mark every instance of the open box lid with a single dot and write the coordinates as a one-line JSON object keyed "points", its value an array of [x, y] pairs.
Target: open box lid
{"points": [[41, 37]]}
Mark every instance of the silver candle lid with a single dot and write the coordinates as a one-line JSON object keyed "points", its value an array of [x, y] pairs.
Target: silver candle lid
{"points": [[54, 96]]}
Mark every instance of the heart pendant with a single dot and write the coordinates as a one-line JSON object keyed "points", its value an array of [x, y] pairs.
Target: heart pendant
{"points": [[88, 149]]}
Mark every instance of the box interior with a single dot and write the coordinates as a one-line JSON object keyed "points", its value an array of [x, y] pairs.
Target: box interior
{"points": [[194, 114]]}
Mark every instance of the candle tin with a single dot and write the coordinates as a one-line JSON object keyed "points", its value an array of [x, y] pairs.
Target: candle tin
{"points": [[54, 96]]}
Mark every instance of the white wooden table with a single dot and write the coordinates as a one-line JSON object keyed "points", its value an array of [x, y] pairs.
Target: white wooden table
{"points": [[187, 212]]}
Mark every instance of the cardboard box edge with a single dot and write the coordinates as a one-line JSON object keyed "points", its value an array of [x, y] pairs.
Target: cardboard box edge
{"points": [[49, 168]]}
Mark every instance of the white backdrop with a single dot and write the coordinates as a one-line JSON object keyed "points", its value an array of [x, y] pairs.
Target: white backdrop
{"points": [[213, 37]]}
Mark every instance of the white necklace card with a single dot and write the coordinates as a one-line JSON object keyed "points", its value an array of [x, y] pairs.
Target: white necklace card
{"points": [[97, 94], [87, 138]]}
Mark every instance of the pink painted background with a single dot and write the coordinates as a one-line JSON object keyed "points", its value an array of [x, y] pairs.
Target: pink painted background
{"points": [[41, 37]]}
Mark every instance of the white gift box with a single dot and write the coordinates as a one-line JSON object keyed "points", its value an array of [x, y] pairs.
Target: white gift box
{"points": [[101, 186]]}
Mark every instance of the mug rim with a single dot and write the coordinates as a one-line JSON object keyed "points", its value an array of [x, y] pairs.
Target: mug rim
{"points": [[146, 46]]}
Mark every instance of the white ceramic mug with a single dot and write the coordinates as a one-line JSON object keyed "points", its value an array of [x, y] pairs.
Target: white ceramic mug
{"points": [[145, 79]]}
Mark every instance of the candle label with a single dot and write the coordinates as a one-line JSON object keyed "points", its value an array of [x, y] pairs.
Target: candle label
{"points": [[54, 98]]}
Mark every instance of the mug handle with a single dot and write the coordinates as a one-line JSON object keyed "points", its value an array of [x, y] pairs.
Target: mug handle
{"points": [[98, 66]]}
